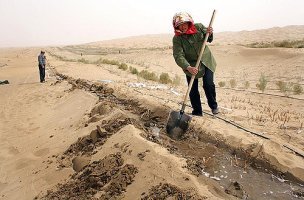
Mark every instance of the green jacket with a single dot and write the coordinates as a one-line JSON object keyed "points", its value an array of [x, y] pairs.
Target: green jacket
{"points": [[186, 49]]}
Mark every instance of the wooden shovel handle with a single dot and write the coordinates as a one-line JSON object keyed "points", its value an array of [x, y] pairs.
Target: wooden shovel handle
{"points": [[198, 63]]}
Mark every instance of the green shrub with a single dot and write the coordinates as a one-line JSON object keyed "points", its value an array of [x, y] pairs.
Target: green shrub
{"points": [[290, 43], [222, 83], [110, 62], [123, 66], [282, 86], [133, 70], [165, 78], [246, 84], [297, 89], [82, 60], [176, 80], [262, 83], [232, 83], [148, 75], [107, 61]]}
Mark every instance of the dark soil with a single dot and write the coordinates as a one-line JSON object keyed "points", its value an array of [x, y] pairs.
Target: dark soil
{"points": [[167, 191], [103, 179]]}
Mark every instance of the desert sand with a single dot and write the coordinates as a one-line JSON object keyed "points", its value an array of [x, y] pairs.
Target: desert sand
{"points": [[95, 131]]}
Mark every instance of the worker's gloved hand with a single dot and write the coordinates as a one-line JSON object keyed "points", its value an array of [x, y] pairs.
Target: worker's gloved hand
{"points": [[192, 70]]}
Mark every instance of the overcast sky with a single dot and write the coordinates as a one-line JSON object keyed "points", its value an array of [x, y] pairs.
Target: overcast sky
{"points": [[56, 22]]}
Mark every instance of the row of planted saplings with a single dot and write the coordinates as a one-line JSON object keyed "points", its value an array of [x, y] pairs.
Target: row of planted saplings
{"points": [[284, 87]]}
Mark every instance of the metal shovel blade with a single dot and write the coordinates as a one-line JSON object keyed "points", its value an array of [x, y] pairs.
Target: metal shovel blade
{"points": [[178, 123]]}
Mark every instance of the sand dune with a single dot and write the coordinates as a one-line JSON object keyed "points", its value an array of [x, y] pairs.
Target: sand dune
{"points": [[295, 32], [263, 35]]}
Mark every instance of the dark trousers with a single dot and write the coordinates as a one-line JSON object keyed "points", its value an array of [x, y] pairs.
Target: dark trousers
{"points": [[42, 73], [209, 89]]}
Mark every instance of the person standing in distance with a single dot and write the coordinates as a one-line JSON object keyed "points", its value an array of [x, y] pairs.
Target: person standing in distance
{"points": [[41, 64], [187, 43]]}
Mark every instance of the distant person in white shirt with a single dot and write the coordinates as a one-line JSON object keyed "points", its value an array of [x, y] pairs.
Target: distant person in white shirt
{"points": [[41, 64]]}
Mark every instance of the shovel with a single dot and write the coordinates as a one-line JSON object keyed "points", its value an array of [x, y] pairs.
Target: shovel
{"points": [[178, 121]]}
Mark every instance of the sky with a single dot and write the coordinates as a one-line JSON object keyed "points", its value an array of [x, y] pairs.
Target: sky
{"points": [[63, 22]]}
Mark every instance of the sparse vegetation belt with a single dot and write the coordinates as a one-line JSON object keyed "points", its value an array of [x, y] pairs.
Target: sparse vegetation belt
{"points": [[279, 44], [285, 87], [275, 95], [163, 78]]}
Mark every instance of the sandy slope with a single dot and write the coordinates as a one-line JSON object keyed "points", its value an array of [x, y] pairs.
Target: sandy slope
{"points": [[37, 121]]}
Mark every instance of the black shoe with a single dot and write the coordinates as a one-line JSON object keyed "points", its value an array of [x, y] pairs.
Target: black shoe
{"points": [[197, 113], [215, 111]]}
